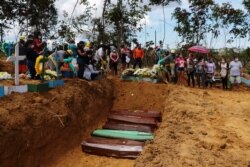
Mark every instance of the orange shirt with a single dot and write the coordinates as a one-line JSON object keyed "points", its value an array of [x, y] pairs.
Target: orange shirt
{"points": [[138, 53]]}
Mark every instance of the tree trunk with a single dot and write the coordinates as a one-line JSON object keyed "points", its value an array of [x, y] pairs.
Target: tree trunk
{"points": [[103, 20]]}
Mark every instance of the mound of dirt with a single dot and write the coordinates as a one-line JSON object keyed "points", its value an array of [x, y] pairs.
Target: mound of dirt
{"points": [[6, 66], [37, 128], [201, 128]]}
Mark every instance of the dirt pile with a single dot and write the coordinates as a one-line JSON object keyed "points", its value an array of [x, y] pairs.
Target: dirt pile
{"points": [[201, 128], [37, 128], [6, 66]]}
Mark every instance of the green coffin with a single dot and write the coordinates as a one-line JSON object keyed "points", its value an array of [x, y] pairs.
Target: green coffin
{"points": [[123, 134], [42, 87]]}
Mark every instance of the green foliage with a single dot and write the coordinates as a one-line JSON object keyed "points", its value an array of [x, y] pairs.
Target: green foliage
{"points": [[194, 24], [205, 16], [40, 15]]}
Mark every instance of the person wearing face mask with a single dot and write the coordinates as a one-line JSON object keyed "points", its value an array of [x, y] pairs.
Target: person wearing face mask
{"points": [[235, 67], [224, 72], [200, 72], [38, 43], [210, 70]]}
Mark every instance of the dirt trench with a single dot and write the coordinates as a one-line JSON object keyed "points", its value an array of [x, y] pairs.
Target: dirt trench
{"points": [[37, 128]]}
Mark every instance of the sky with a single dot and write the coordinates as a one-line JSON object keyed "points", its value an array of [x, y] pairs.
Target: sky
{"points": [[153, 23]]}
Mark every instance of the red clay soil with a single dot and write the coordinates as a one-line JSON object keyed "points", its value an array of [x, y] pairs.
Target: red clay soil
{"points": [[37, 128], [6, 66], [199, 127]]}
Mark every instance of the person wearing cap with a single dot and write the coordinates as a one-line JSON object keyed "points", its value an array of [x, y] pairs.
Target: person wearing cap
{"points": [[57, 57], [114, 57], [235, 67], [138, 55]]}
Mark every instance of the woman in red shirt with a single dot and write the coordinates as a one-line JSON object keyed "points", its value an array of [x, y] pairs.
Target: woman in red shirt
{"points": [[37, 42], [114, 57]]}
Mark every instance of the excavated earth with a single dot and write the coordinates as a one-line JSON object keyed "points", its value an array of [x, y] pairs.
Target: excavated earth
{"points": [[200, 127]]}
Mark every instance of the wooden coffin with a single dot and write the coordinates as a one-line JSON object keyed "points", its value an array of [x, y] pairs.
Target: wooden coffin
{"points": [[133, 119], [125, 126], [123, 134], [120, 148], [140, 113]]}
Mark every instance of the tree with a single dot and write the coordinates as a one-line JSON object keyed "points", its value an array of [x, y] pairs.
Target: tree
{"points": [[194, 24], [206, 17], [229, 19], [36, 15]]}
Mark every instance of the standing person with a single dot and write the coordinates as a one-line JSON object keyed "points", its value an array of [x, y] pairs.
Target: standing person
{"points": [[224, 72], [138, 54], [200, 72], [190, 70], [82, 59], [235, 67], [100, 57], [169, 60], [38, 43], [31, 58], [123, 56], [180, 64], [210, 70], [22, 52], [159, 54], [72, 46], [114, 57], [128, 57]]}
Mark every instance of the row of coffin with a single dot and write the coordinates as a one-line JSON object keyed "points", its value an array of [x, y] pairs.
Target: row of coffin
{"points": [[124, 134]]}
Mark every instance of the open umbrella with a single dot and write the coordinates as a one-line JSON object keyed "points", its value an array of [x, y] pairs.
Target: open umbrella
{"points": [[199, 49]]}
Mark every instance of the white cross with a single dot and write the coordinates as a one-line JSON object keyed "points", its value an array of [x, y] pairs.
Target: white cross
{"points": [[16, 59]]}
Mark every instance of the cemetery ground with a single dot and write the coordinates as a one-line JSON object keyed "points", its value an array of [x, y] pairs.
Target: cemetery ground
{"points": [[200, 127]]}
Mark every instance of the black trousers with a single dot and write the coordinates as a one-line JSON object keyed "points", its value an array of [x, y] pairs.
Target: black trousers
{"points": [[138, 61], [224, 82], [191, 77], [113, 66], [81, 64]]}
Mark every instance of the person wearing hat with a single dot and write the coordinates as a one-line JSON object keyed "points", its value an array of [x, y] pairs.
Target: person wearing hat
{"points": [[114, 57], [57, 57]]}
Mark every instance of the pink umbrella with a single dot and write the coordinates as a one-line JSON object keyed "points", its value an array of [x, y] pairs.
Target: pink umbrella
{"points": [[199, 49]]}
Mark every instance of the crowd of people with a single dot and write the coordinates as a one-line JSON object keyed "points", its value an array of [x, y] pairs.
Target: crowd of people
{"points": [[200, 70], [89, 62]]}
